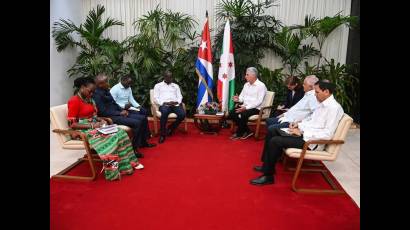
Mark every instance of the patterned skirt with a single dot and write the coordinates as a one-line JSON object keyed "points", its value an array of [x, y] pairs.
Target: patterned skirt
{"points": [[115, 150]]}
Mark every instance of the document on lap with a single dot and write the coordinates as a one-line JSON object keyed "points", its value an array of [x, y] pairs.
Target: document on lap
{"points": [[135, 109], [285, 132], [108, 129]]}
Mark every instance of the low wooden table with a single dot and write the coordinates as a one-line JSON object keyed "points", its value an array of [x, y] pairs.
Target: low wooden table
{"points": [[202, 122]]}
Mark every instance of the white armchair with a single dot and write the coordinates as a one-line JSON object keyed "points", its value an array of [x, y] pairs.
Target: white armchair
{"points": [[59, 124], [330, 153], [156, 114]]}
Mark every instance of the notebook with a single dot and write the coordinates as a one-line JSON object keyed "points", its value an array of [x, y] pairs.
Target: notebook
{"points": [[285, 132], [108, 129]]}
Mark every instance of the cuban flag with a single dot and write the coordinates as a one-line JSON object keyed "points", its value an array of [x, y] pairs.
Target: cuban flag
{"points": [[203, 66]]}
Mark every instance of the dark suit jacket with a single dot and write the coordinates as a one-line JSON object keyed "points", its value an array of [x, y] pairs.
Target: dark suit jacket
{"points": [[106, 105], [291, 101]]}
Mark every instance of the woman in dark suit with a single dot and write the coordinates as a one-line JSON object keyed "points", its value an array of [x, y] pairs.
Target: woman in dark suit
{"points": [[294, 94]]}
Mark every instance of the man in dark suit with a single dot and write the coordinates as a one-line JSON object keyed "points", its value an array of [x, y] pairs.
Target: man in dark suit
{"points": [[294, 94], [107, 107]]}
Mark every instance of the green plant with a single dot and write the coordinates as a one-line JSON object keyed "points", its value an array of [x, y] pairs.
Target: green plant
{"points": [[288, 45], [344, 81], [308, 70], [162, 43], [354, 92], [252, 33], [98, 54], [320, 29], [274, 81]]}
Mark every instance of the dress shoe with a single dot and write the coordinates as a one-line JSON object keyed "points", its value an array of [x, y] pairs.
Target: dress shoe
{"points": [[139, 155], [263, 180], [148, 145], [161, 139], [258, 168], [246, 135], [235, 137], [169, 132], [139, 166]]}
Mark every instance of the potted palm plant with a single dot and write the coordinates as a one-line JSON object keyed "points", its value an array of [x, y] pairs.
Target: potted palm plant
{"points": [[97, 54]]}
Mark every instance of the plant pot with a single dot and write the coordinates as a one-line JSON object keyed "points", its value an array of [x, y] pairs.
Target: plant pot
{"points": [[207, 112]]}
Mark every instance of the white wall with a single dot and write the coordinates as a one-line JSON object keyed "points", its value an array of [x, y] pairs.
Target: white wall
{"points": [[293, 12], [61, 86], [290, 12]]}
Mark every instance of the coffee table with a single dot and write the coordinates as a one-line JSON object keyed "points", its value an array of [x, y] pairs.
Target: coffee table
{"points": [[204, 123]]}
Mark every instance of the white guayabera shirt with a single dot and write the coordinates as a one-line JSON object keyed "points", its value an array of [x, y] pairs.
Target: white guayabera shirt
{"points": [[252, 94], [323, 122], [302, 109], [167, 93]]}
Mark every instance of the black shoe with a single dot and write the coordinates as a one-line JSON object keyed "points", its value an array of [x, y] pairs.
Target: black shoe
{"points": [[161, 139], [148, 145], [169, 132], [258, 168], [139, 155], [235, 136], [246, 135], [263, 180]]}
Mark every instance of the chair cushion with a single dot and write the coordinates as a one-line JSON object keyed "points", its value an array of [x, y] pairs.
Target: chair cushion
{"points": [[253, 118], [332, 150], [171, 115], [311, 155], [340, 133], [58, 118], [267, 101], [151, 96]]}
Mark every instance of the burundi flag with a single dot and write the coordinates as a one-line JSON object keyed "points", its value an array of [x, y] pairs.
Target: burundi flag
{"points": [[226, 74], [203, 66]]}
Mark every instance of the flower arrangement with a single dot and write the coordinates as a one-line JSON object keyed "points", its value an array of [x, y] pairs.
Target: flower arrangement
{"points": [[210, 108]]}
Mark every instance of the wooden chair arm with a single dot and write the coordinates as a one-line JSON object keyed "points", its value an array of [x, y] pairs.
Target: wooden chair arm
{"points": [[307, 143], [320, 142], [267, 107], [261, 112], [66, 131], [71, 133]]}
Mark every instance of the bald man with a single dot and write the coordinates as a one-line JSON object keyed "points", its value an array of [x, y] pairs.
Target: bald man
{"points": [[107, 107]]}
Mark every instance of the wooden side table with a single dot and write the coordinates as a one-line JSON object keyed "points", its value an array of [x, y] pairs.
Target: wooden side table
{"points": [[202, 122]]}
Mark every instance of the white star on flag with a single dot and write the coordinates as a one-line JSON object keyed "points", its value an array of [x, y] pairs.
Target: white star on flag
{"points": [[203, 45]]}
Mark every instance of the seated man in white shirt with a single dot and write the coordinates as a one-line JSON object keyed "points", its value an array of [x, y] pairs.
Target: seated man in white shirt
{"points": [[321, 125], [248, 103], [300, 110], [168, 96]]}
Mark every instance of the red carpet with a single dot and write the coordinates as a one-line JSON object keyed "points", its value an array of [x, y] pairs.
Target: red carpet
{"points": [[195, 181]]}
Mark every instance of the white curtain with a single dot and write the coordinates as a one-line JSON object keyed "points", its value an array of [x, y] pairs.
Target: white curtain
{"points": [[290, 12]]}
